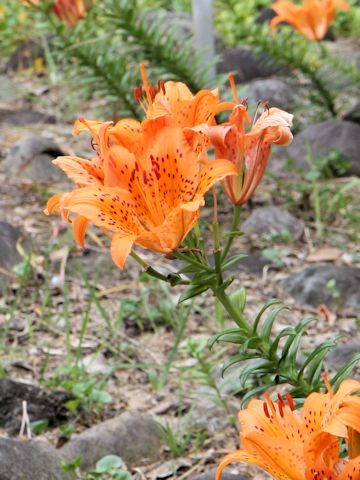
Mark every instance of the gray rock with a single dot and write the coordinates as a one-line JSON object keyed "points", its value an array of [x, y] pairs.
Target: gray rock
{"points": [[266, 15], [30, 159], [9, 256], [245, 63], [278, 93], [317, 140], [25, 117], [341, 354], [252, 263], [29, 460], [134, 437], [272, 221], [353, 114], [310, 286], [206, 414], [210, 475], [41, 405]]}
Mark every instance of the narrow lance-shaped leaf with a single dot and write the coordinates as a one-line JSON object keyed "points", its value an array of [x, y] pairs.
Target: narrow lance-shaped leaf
{"points": [[267, 305]]}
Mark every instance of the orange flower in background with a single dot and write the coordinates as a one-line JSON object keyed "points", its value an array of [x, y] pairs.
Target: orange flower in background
{"points": [[150, 198], [69, 11], [290, 446], [312, 19], [249, 152]]}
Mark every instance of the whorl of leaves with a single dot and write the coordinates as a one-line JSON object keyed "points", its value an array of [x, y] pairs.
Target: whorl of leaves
{"points": [[275, 359]]}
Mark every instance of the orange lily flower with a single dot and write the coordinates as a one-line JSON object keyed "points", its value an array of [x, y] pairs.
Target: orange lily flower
{"points": [[150, 197], [69, 11], [290, 446], [173, 104], [312, 19], [249, 152]]}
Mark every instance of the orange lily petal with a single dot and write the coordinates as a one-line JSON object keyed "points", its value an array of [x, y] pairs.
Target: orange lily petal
{"points": [[321, 454], [351, 470], [107, 208], [242, 456], [167, 237], [353, 443], [80, 171], [120, 248], [344, 409], [213, 172], [81, 124], [79, 226], [127, 132], [281, 459], [53, 204]]}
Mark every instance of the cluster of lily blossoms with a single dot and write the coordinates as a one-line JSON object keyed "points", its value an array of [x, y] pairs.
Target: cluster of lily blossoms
{"points": [[312, 18], [290, 446], [146, 183], [69, 11]]}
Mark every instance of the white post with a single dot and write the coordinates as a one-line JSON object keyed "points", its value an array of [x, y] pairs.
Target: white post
{"points": [[204, 32]]}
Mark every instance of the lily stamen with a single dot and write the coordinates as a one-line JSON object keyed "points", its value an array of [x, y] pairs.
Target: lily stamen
{"points": [[280, 407], [94, 146], [256, 112], [136, 94], [280, 399], [327, 384], [146, 86], [290, 401], [233, 88], [152, 91], [270, 403]]}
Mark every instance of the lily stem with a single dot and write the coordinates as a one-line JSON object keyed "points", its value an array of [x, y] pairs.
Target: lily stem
{"points": [[232, 311], [234, 226], [148, 269], [217, 252]]}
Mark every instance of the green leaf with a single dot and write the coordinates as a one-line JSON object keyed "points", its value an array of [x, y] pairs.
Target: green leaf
{"points": [[218, 337], [108, 463], [39, 426], [100, 396], [267, 305], [122, 476], [294, 348], [255, 392], [67, 429], [204, 278], [191, 269], [232, 260], [287, 331], [258, 367], [269, 322], [273, 255], [231, 361], [72, 405], [193, 291], [345, 371], [238, 299], [316, 357], [72, 465]]}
